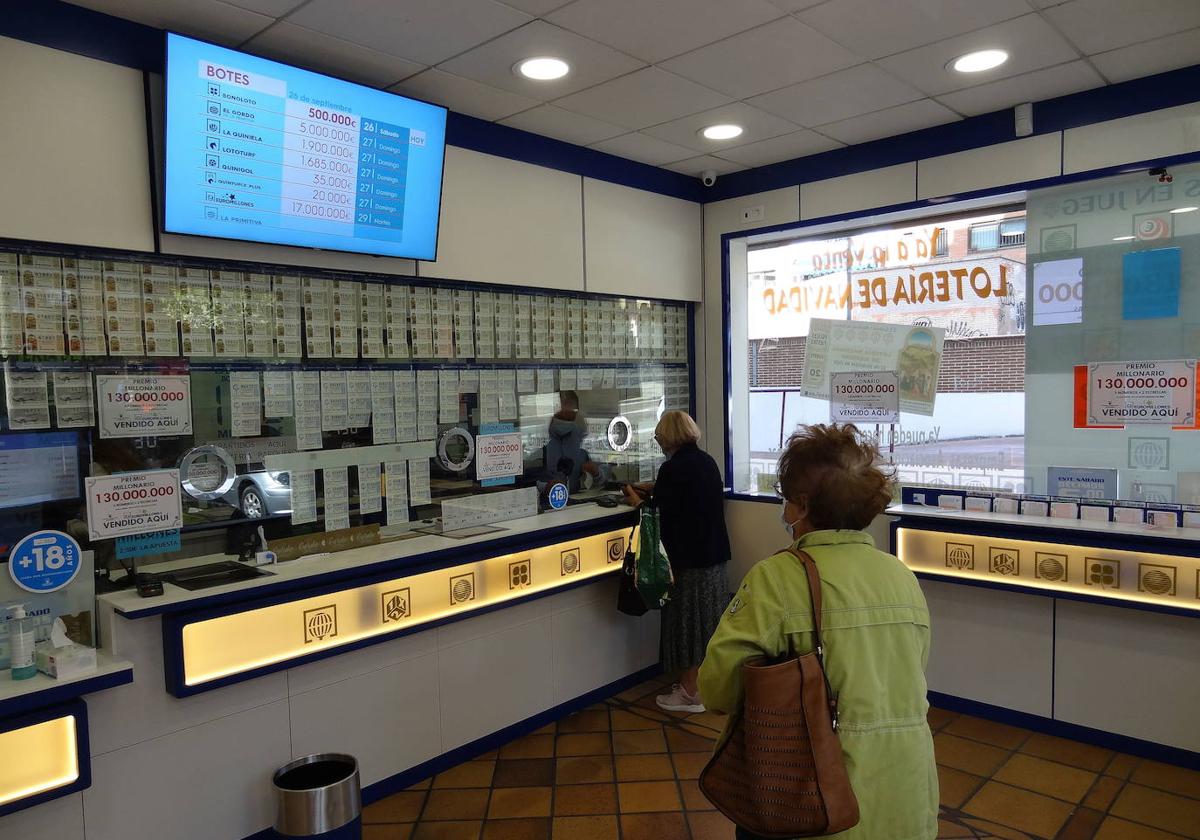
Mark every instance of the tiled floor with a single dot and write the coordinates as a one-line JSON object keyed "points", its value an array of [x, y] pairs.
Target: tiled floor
{"points": [[623, 770]]}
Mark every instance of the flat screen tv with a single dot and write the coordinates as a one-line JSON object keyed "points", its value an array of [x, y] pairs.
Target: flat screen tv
{"points": [[261, 151]]}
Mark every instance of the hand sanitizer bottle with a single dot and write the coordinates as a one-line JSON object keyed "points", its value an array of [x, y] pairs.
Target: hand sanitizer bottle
{"points": [[20, 634]]}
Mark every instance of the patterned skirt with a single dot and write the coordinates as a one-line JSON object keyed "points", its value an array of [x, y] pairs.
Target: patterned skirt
{"points": [[689, 619]]}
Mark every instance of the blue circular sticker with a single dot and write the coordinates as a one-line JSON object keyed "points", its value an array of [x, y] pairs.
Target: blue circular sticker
{"points": [[45, 561], [558, 496]]}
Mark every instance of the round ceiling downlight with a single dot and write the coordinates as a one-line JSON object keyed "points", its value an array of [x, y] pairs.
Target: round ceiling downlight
{"points": [[725, 131], [978, 61], [542, 68]]}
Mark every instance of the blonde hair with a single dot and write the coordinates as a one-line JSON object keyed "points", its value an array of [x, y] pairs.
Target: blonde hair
{"points": [[675, 428]]}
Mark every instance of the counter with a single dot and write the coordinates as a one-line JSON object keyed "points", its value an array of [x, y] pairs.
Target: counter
{"points": [[1084, 629]]}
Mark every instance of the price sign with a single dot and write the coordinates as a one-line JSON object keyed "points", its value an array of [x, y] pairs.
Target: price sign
{"points": [[45, 561], [144, 406], [864, 397], [1151, 393], [499, 454], [133, 503]]}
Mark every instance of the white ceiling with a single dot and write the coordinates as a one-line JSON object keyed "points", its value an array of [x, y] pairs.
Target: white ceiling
{"points": [[802, 76]]}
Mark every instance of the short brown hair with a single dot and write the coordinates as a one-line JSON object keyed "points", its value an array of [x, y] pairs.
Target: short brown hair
{"points": [[835, 470], [675, 428]]}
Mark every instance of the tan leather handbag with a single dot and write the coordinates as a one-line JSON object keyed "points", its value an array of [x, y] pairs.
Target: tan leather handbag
{"points": [[780, 773]]}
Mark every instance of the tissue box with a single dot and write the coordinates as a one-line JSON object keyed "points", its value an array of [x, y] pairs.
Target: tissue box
{"points": [[67, 661]]}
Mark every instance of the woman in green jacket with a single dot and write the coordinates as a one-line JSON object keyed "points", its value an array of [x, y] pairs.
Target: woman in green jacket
{"points": [[875, 630]]}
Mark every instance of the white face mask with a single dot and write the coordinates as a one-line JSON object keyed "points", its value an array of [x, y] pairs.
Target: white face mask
{"points": [[787, 526]]}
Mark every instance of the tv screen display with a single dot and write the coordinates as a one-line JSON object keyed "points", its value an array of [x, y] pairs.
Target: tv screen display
{"points": [[37, 467], [260, 151]]}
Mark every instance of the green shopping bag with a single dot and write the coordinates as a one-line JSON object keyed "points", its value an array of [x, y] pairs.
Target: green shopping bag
{"points": [[654, 578]]}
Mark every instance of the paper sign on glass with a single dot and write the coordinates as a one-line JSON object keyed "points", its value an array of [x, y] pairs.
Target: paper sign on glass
{"points": [[133, 503], [864, 397], [1152, 393], [144, 406]]}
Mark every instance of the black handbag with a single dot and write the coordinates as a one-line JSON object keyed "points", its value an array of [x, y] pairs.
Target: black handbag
{"points": [[629, 600]]}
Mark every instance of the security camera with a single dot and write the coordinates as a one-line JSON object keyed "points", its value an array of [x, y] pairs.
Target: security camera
{"points": [[1164, 177], [708, 177]]}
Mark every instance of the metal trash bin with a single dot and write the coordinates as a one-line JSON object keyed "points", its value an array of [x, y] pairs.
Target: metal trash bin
{"points": [[319, 796]]}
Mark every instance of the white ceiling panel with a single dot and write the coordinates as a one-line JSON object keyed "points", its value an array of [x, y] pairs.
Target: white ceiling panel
{"points": [[697, 165], [795, 5], [902, 119], [554, 122], [765, 58], [1099, 25], [874, 29], [1150, 57], [787, 147], [315, 51], [492, 63], [757, 125], [425, 31], [647, 97], [1031, 43], [466, 96], [838, 96], [643, 148], [657, 30], [1030, 87], [212, 20], [537, 8], [271, 8]]}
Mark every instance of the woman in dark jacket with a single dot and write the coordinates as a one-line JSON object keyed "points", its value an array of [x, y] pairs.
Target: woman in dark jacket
{"points": [[690, 496]]}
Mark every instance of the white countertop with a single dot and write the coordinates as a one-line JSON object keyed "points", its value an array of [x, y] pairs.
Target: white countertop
{"points": [[11, 689], [128, 601], [1083, 526]]}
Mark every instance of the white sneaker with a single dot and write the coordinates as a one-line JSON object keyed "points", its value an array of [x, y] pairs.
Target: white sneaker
{"points": [[679, 701]]}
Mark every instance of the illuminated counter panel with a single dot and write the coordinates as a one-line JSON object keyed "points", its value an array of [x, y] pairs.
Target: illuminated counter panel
{"points": [[208, 649], [45, 756], [1104, 573]]}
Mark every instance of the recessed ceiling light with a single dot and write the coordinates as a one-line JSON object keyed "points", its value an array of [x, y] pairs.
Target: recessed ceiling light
{"points": [[1122, 238], [542, 68], [724, 131], [1185, 209], [977, 62]]}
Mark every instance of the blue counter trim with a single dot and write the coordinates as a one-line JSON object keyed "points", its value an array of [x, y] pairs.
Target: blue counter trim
{"points": [[428, 769], [282, 591], [28, 703], [1062, 729], [173, 625], [76, 707]]}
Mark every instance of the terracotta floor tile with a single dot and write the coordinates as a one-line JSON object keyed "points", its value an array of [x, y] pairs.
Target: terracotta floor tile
{"points": [[457, 804], [1082, 825], [585, 828], [531, 746], [452, 830], [940, 717], [1074, 753], [644, 768], [1118, 829], [631, 695], [526, 829], [584, 722], [654, 827], [639, 742], [590, 743], [469, 774], [956, 786], [583, 800], [1158, 809], [622, 720], [548, 729], [599, 707], [642, 797], [399, 807], [680, 741], [990, 732], [702, 732], [1168, 777], [584, 769], [951, 830], [689, 765], [524, 772], [709, 720], [988, 830], [387, 831], [968, 756], [509, 803], [424, 784], [1122, 766], [710, 826], [1046, 777], [1020, 809], [693, 798], [1103, 793]]}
